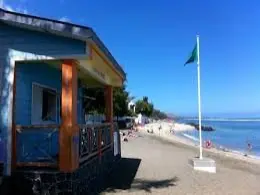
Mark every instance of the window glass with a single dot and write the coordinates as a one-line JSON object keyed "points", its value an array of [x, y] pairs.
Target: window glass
{"points": [[44, 105]]}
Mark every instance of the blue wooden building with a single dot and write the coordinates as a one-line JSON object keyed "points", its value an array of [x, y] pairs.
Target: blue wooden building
{"points": [[44, 67]]}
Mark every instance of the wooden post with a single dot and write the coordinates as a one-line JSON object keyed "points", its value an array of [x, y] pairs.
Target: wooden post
{"points": [[109, 109], [69, 131]]}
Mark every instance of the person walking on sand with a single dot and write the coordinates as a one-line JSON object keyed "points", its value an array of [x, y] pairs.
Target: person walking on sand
{"points": [[249, 148], [160, 127], [172, 129]]}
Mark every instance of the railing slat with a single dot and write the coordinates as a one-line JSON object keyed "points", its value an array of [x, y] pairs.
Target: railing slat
{"points": [[36, 143], [30, 127], [35, 164], [94, 138]]}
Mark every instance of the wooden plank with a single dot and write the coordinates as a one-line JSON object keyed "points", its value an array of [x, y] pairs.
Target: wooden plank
{"points": [[28, 127], [106, 147], [69, 131], [83, 159], [36, 164], [109, 109]]}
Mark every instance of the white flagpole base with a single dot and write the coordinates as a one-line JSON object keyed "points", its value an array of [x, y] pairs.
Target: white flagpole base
{"points": [[204, 164]]}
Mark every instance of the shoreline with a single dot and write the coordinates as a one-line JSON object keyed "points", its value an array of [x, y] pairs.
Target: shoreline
{"points": [[165, 134]]}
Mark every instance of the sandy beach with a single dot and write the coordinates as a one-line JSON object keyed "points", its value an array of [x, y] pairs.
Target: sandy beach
{"points": [[165, 133], [153, 165]]}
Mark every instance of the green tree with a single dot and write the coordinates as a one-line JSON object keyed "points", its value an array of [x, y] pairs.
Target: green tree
{"points": [[144, 107], [94, 100], [130, 112], [120, 101], [157, 114]]}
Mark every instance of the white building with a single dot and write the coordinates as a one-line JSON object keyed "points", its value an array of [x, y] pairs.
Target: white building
{"points": [[141, 119], [131, 106]]}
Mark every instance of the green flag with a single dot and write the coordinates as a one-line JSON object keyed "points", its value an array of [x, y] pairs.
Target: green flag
{"points": [[194, 56]]}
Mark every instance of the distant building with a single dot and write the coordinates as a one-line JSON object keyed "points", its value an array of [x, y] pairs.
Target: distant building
{"points": [[131, 106], [141, 119]]}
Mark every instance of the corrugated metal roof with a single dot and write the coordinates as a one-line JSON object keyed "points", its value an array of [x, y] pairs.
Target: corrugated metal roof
{"points": [[60, 28]]}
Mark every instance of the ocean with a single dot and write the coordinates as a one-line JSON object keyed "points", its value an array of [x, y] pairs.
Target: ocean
{"points": [[230, 134]]}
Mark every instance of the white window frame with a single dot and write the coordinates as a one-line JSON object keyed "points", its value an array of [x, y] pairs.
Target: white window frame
{"points": [[56, 101]]}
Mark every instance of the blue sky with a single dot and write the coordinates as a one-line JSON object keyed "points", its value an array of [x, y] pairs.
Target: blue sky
{"points": [[152, 40]]}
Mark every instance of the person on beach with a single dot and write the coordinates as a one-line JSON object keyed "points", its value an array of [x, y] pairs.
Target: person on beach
{"points": [[208, 144], [172, 130], [249, 148], [160, 127]]}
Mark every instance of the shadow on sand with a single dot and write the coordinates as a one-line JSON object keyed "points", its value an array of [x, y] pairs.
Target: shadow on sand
{"points": [[122, 178]]}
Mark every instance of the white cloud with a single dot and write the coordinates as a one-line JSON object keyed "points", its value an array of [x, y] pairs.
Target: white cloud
{"points": [[64, 19], [8, 8], [13, 9]]}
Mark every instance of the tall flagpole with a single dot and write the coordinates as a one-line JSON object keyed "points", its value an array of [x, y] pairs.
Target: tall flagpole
{"points": [[199, 104]]}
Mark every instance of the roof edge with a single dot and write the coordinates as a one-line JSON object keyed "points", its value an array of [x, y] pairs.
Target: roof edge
{"points": [[75, 31]]}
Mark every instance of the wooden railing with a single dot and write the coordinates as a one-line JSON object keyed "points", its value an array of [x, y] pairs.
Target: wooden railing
{"points": [[93, 140], [37, 145]]}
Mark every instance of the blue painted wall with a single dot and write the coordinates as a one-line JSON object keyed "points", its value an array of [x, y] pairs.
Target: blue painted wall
{"points": [[43, 74], [26, 74], [32, 42], [31, 143], [39, 43]]}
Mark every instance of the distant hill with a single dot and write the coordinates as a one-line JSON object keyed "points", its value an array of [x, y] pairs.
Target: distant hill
{"points": [[172, 116]]}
